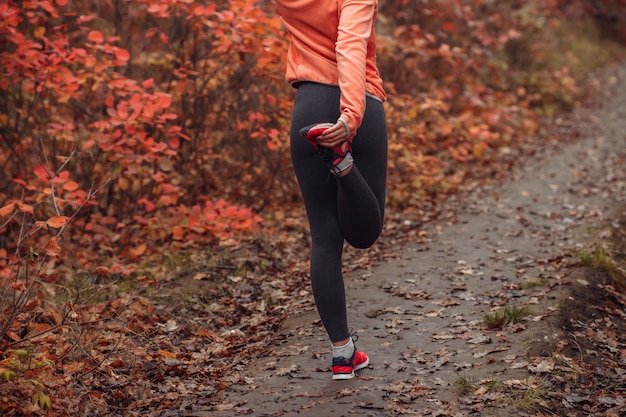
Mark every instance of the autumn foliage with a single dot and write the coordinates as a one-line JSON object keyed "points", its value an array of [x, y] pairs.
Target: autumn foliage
{"points": [[132, 131], [131, 126]]}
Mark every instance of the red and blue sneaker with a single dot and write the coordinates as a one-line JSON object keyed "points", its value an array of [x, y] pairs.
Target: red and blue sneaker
{"points": [[344, 368], [336, 158]]}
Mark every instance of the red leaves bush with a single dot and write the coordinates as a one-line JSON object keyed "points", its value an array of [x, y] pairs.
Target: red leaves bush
{"points": [[130, 122]]}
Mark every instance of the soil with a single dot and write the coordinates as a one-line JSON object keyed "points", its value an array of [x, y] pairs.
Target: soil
{"points": [[420, 315]]}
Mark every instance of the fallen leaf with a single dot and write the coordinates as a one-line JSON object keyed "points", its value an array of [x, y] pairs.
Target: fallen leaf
{"points": [[541, 366], [477, 355]]}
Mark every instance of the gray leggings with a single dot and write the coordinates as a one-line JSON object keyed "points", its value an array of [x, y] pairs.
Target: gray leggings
{"points": [[349, 207]]}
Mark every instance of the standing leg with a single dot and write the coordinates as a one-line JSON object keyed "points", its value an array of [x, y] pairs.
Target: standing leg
{"points": [[315, 103]]}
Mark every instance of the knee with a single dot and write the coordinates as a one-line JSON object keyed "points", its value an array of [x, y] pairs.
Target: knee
{"points": [[362, 242]]}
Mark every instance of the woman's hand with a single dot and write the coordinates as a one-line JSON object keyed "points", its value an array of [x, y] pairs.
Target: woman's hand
{"points": [[334, 136]]}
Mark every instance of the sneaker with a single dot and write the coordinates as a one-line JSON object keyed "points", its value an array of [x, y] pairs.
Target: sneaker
{"points": [[344, 368], [336, 158]]}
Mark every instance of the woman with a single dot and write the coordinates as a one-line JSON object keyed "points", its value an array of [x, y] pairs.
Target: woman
{"points": [[338, 118]]}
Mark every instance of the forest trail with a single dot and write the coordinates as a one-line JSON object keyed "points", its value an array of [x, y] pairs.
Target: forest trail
{"points": [[420, 316]]}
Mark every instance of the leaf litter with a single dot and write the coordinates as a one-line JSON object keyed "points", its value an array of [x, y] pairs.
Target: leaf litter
{"points": [[420, 313]]}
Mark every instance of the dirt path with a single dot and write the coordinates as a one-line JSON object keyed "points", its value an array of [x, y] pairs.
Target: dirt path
{"points": [[420, 316]]}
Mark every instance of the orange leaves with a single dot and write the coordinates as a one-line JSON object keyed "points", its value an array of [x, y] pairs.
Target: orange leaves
{"points": [[158, 170], [150, 125], [102, 270], [478, 150], [160, 10], [10, 15], [12, 336], [448, 26], [95, 37], [177, 233], [167, 354], [126, 124], [42, 173], [24, 208], [209, 334], [39, 32], [149, 83], [256, 123], [57, 221], [137, 251], [99, 42], [184, 225], [70, 185], [18, 286], [48, 7], [174, 142], [7, 210], [61, 181], [274, 139], [52, 248], [122, 56], [140, 107], [162, 100], [149, 205]]}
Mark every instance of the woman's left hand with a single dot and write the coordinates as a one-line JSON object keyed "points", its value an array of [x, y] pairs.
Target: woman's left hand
{"points": [[333, 136]]}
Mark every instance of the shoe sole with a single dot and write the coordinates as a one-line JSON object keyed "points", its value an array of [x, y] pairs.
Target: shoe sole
{"points": [[304, 132]]}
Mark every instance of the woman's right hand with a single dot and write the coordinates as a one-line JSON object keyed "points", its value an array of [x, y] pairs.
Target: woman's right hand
{"points": [[334, 136]]}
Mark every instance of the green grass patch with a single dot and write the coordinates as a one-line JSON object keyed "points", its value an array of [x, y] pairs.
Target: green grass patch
{"points": [[509, 315], [526, 394], [464, 385], [529, 399], [600, 259], [534, 282]]}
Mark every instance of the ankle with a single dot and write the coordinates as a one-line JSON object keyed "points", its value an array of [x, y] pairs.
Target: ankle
{"points": [[344, 166], [342, 343], [344, 348], [343, 173]]}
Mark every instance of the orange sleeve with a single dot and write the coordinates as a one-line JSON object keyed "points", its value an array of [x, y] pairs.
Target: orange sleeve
{"points": [[333, 43], [355, 31]]}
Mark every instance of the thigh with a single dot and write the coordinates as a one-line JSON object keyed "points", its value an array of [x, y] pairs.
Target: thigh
{"points": [[315, 103], [369, 149]]}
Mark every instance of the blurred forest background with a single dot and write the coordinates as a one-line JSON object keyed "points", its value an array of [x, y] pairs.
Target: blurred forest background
{"points": [[145, 141]]}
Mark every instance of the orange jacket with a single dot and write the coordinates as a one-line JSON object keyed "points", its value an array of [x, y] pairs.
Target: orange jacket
{"points": [[332, 42]]}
